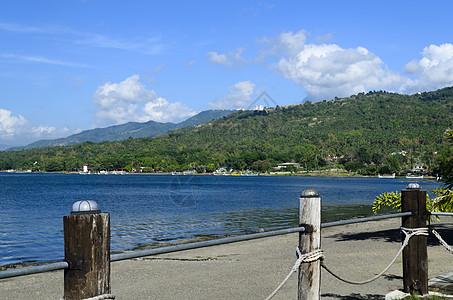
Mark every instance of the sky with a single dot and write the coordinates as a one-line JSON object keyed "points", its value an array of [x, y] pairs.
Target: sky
{"points": [[68, 66]]}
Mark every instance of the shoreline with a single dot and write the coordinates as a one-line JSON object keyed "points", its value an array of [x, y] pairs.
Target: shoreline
{"points": [[319, 173]]}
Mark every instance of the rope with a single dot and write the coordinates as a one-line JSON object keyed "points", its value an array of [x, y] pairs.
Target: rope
{"points": [[409, 232], [441, 240], [101, 297], [301, 258]]}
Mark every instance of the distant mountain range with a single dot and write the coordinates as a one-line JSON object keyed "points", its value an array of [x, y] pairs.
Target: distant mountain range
{"points": [[124, 131]]}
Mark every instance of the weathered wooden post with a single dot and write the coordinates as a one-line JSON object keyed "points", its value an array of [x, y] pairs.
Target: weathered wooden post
{"points": [[310, 240], [415, 255], [87, 251]]}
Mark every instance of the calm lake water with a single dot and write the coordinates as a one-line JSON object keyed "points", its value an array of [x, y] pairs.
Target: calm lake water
{"points": [[151, 209]]}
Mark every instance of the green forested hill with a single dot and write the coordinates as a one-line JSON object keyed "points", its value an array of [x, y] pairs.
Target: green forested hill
{"points": [[363, 129], [378, 121]]}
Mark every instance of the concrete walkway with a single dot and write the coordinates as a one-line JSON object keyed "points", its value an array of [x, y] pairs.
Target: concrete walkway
{"points": [[253, 269]]}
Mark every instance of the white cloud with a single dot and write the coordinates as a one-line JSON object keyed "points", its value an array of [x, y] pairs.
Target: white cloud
{"points": [[229, 59], [327, 70], [238, 56], [16, 130], [130, 100], [163, 111], [220, 59], [42, 59], [239, 96], [40, 130], [433, 71], [286, 43], [144, 44], [158, 69], [292, 43], [9, 124], [19, 28]]}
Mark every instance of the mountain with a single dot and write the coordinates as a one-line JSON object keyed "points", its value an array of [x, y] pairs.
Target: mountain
{"points": [[379, 122], [124, 131], [367, 131], [4, 147]]}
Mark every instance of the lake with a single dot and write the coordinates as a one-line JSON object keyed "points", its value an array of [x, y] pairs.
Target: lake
{"points": [[147, 209]]}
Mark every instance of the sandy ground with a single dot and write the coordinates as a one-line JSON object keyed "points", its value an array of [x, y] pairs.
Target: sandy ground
{"points": [[253, 269]]}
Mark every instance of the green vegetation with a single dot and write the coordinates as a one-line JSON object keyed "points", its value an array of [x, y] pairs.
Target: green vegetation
{"points": [[426, 297], [367, 134], [433, 297], [443, 200]]}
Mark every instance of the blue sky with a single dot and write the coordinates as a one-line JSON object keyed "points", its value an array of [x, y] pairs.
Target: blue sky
{"points": [[68, 66]]}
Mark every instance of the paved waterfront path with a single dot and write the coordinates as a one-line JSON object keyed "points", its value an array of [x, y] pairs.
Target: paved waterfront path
{"points": [[253, 269]]}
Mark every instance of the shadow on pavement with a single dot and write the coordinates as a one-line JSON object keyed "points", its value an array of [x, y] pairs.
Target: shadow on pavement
{"points": [[391, 277], [395, 235]]}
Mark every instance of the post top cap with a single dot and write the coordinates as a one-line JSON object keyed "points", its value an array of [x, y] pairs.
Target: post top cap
{"points": [[310, 193], [413, 186], [85, 207]]}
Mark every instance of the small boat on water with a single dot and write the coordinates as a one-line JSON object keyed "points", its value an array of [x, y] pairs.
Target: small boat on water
{"points": [[386, 176]]}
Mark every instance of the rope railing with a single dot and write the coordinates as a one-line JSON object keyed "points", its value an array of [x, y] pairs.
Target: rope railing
{"points": [[442, 241], [302, 258], [409, 232], [318, 255]]}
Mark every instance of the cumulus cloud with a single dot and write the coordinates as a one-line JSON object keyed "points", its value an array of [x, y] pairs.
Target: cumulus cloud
{"points": [[327, 70], [130, 100], [16, 130], [229, 59], [286, 43], [239, 96], [433, 71], [9, 124], [220, 59]]}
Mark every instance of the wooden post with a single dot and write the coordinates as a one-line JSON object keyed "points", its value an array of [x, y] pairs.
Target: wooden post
{"points": [[87, 251], [310, 240], [415, 255]]}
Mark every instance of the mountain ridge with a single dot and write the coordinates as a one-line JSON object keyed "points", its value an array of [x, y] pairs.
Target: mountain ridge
{"points": [[124, 131]]}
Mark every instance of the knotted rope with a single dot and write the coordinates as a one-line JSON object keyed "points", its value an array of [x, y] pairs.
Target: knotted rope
{"points": [[301, 258], [441, 240], [409, 232], [101, 297]]}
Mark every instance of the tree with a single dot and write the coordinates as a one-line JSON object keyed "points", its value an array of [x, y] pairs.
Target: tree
{"points": [[443, 200], [447, 163], [210, 168], [54, 164], [393, 163]]}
